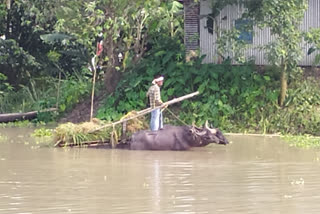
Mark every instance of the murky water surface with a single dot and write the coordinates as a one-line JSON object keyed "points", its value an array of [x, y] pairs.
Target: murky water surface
{"points": [[252, 175]]}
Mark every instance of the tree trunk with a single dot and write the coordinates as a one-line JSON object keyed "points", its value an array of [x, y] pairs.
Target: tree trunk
{"points": [[111, 76], [284, 85], [9, 25], [111, 79], [11, 117]]}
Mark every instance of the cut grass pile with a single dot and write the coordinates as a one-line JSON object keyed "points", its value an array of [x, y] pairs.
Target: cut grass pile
{"points": [[69, 134]]}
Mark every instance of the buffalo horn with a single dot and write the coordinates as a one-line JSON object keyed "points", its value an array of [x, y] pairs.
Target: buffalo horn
{"points": [[213, 131]]}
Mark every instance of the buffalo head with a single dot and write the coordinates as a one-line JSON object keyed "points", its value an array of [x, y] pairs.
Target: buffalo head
{"points": [[204, 136]]}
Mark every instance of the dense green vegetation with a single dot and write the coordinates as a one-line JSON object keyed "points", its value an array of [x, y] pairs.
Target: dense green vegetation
{"points": [[233, 98], [30, 66], [45, 62]]}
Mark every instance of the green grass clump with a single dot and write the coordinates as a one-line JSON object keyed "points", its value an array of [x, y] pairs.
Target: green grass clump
{"points": [[302, 141], [42, 132]]}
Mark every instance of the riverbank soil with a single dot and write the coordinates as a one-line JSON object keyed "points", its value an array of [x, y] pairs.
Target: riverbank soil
{"points": [[81, 112]]}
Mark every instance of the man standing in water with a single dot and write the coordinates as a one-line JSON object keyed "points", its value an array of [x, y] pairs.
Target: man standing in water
{"points": [[154, 96]]}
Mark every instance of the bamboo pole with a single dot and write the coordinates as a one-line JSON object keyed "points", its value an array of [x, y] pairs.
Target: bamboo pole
{"points": [[93, 86], [148, 110]]}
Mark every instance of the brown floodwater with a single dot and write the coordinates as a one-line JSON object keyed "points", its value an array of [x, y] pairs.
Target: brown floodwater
{"points": [[251, 175]]}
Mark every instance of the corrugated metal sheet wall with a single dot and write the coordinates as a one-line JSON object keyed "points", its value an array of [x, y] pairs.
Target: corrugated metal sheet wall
{"points": [[260, 38], [191, 25]]}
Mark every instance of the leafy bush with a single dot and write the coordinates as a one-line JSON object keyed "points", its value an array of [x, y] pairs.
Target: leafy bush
{"points": [[301, 114], [16, 63], [72, 91], [4, 86]]}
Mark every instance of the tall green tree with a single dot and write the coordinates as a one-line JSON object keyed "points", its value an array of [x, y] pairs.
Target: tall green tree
{"points": [[24, 23], [283, 18], [126, 26]]}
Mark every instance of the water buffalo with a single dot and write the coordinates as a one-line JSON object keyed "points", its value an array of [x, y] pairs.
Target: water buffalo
{"points": [[176, 138]]}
